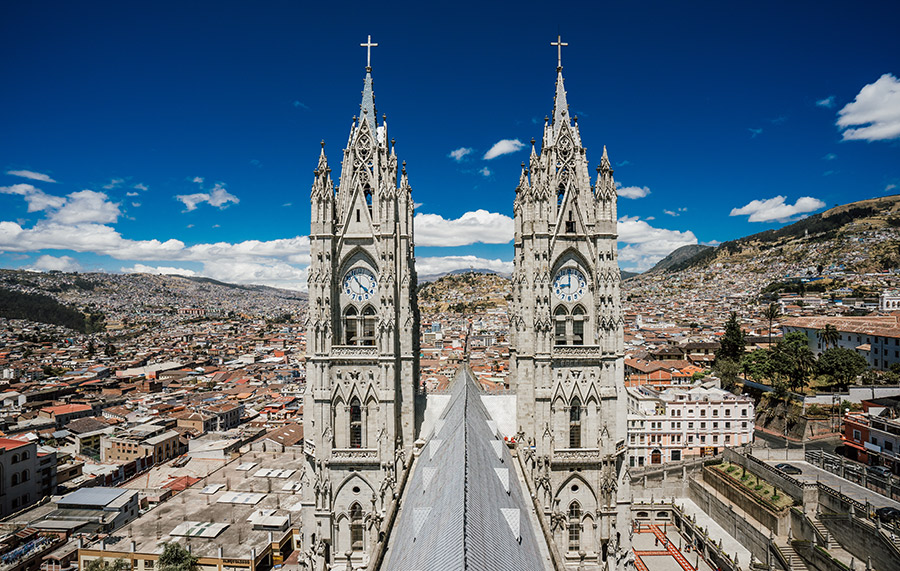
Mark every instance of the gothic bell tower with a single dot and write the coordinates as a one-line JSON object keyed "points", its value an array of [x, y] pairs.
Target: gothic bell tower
{"points": [[362, 342], [567, 350]]}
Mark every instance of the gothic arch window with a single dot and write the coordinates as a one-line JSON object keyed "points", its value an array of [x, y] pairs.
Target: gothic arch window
{"points": [[560, 319], [578, 325], [368, 194], [574, 526], [368, 326], [15, 458], [575, 423], [356, 527], [355, 424], [25, 455], [351, 325]]}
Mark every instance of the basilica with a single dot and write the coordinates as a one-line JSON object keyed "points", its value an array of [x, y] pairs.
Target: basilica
{"points": [[400, 481]]}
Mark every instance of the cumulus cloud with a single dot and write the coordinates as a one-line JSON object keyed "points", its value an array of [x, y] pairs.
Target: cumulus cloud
{"points": [[503, 147], [141, 186], [632, 191], [485, 171], [158, 270], [86, 206], [75, 208], [875, 113], [460, 153], [114, 183], [827, 103], [776, 209], [471, 227], [218, 197], [47, 263], [443, 264], [645, 245], [31, 175]]}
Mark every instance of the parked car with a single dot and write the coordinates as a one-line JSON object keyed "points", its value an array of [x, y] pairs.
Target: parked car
{"points": [[888, 514], [882, 471], [788, 469]]}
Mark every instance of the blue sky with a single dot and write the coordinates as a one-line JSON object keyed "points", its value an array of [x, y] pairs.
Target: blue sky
{"points": [[182, 136]]}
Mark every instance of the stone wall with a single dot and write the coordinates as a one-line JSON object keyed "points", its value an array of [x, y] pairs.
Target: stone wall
{"points": [[863, 540], [733, 524], [772, 520]]}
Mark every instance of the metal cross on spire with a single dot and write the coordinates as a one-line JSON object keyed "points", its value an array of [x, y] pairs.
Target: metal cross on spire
{"points": [[559, 46], [369, 45]]}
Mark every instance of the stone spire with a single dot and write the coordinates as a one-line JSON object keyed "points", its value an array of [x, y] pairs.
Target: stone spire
{"points": [[367, 107], [560, 105]]}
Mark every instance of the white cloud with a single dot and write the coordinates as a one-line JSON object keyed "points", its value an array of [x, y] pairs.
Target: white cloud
{"points": [[20, 189], [141, 186], [646, 245], [829, 157], [670, 213], [633, 191], [827, 103], [459, 153], [776, 209], [219, 197], [442, 264], [40, 200], [32, 175], [471, 227], [131, 194], [114, 183], [63, 263], [136, 204], [875, 113], [890, 187], [86, 206], [503, 147], [754, 132], [198, 179], [485, 171], [158, 270]]}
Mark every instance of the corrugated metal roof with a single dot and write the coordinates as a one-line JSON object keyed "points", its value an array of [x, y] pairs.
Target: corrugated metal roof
{"points": [[464, 507], [91, 497]]}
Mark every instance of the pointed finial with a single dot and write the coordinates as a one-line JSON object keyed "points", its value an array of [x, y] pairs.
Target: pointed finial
{"points": [[383, 117], [323, 143], [598, 169], [354, 118], [393, 142], [532, 141]]}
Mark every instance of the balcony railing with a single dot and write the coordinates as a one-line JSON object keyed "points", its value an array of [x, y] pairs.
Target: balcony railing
{"points": [[340, 456]]}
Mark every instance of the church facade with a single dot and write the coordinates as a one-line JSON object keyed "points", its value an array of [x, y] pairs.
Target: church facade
{"points": [[362, 342], [362, 407], [567, 344]]}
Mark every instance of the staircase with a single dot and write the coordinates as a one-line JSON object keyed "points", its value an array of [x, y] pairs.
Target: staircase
{"points": [[823, 531], [788, 555]]}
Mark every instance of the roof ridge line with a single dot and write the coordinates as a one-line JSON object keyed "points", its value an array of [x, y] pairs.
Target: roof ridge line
{"points": [[465, 426]]}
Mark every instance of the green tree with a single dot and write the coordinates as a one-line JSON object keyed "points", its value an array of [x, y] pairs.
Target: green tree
{"points": [[109, 350], [90, 348], [176, 557], [758, 365], [829, 336], [794, 359], [733, 342], [771, 313], [728, 371], [842, 365], [102, 565]]}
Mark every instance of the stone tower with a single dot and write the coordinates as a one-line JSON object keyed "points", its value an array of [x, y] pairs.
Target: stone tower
{"points": [[567, 344], [362, 342]]}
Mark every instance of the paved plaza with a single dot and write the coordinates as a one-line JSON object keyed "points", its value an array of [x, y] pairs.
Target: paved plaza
{"points": [[662, 548]]}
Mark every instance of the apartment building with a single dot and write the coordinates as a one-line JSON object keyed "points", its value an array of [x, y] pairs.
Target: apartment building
{"points": [[680, 423]]}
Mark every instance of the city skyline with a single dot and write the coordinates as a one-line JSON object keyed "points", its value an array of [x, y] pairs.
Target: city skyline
{"points": [[150, 140]]}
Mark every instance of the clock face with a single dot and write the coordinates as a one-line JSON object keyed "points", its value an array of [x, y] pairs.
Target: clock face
{"points": [[569, 284], [360, 284]]}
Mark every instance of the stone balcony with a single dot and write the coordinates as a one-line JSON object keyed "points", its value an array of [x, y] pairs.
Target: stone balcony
{"points": [[577, 352], [353, 456], [576, 457]]}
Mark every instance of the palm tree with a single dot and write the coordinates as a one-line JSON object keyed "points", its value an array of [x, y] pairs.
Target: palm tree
{"points": [[829, 335], [771, 313]]}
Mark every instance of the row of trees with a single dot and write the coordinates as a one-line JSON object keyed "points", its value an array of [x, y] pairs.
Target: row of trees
{"points": [[790, 363], [175, 557]]}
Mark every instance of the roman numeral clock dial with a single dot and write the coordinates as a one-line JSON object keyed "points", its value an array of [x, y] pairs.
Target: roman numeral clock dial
{"points": [[360, 284], [568, 285]]}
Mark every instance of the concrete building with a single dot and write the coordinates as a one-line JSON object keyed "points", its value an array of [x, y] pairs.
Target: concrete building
{"points": [[875, 338], [21, 477], [680, 424]]}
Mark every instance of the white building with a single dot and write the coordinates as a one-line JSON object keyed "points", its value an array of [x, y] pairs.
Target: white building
{"points": [[681, 423]]}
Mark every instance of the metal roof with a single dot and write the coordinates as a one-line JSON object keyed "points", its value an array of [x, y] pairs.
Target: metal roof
{"points": [[464, 507], [91, 497]]}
